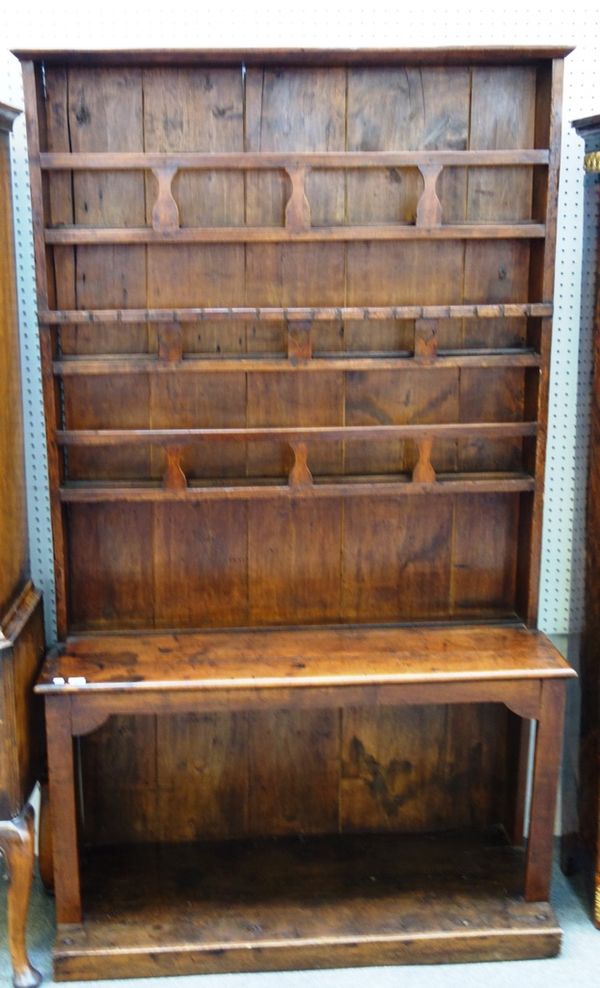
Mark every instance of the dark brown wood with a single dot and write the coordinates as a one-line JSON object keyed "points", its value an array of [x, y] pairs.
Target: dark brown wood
{"points": [[174, 479], [166, 437], [392, 889], [16, 846], [21, 621], [295, 327], [583, 847], [92, 678], [45, 858], [327, 234], [94, 709], [63, 810], [494, 54], [111, 366], [90, 161], [314, 313], [302, 657], [548, 748], [358, 487], [518, 757]]}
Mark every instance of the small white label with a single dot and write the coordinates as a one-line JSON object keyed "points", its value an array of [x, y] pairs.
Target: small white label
{"points": [[76, 680], [58, 681]]}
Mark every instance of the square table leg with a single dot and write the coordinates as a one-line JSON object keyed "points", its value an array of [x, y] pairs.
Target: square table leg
{"points": [[548, 748], [63, 809]]}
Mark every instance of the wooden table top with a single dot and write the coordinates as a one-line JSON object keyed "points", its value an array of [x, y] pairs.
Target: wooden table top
{"points": [[296, 657]]}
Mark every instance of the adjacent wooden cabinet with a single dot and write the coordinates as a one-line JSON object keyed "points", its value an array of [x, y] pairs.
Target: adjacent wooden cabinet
{"points": [[21, 621], [296, 311], [589, 800]]}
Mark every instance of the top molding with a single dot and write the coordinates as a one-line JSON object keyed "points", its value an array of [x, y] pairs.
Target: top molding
{"points": [[8, 115], [296, 56], [587, 126]]}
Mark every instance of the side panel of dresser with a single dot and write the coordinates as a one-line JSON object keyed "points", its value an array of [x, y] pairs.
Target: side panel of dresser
{"points": [[21, 620]]}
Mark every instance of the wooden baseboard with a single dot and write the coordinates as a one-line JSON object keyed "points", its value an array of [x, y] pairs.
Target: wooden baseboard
{"points": [[296, 904]]}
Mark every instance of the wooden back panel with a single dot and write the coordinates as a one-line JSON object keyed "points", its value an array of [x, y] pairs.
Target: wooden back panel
{"points": [[133, 560]]}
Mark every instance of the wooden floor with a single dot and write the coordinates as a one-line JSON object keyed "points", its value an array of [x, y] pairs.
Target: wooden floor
{"points": [[302, 903]]}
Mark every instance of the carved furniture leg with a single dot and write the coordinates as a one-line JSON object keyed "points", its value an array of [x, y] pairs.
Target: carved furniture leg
{"points": [[548, 748], [16, 844]]}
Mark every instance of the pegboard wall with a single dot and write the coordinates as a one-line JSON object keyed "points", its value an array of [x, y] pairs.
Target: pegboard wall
{"points": [[185, 24]]}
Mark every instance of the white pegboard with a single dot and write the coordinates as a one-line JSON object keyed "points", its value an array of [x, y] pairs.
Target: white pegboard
{"points": [[188, 24]]}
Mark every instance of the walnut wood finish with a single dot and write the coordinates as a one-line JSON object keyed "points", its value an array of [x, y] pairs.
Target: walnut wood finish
{"points": [[16, 845], [392, 889], [21, 622], [461, 55], [312, 314], [296, 371], [90, 679], [589, 752], [306, 657], [290, 234]]}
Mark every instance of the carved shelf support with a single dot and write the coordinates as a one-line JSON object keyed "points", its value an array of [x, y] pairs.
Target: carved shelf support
{"points": [[170, 343], [426, 339], [299, 341], [297, 210], [423, 472], [300, 475], [174, 478], [429, 208], [165, 214]]}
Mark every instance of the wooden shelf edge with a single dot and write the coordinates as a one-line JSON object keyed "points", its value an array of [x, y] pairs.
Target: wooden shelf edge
{"points": [[437, 55], [246, 234], [169, 437], [113, 365], [97, 494], [257, 160], [322, 313]]}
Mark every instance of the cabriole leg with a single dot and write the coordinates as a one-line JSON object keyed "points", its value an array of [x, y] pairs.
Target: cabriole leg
{"points": [[16, 844]]}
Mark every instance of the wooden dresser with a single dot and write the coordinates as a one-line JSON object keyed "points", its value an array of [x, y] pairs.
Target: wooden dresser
{"points": [[21, 620], [296, 311]]}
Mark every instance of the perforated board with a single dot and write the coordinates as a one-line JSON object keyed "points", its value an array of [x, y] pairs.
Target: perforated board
{"points": [[312, 24]]}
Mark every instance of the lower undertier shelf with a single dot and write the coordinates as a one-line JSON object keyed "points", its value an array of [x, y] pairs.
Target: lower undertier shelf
{"points": [[318, 902]]}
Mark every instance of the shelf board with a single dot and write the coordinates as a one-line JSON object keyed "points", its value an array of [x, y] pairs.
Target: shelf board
{"points": [[113, 364], [90, 493], [274, 313], [459, 55], [256, 160], [300, 903], [341, 433], [70, 235]]}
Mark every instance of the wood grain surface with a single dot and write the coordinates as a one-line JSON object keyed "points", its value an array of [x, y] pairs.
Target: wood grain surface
{"points": [[180, 334], [309, 902]]}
